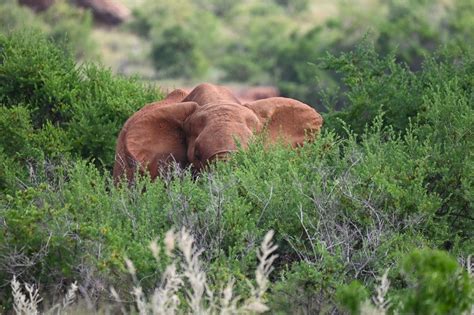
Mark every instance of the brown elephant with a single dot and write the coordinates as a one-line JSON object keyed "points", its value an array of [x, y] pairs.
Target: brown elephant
{"points": [[204, 125]]}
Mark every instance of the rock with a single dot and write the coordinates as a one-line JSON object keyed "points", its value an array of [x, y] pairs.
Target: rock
{"points": [[107, 11], [37, 5], [255, 93], [110, 12]]}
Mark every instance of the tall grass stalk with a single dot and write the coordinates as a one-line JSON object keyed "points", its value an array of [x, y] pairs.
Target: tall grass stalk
{"points": [[184, 276]]}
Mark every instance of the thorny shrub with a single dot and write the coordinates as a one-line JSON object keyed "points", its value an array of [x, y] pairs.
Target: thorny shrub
{"points": [[345, 207]]}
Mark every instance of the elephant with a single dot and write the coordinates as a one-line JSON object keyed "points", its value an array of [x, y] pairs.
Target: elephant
{"points": [[206, 124]]}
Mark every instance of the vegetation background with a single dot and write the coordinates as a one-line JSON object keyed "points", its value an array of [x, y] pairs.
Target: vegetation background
{"points": [[380, 206]]}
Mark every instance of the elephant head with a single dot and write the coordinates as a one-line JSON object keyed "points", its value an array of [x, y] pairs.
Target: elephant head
{"points": [[196, 128]]}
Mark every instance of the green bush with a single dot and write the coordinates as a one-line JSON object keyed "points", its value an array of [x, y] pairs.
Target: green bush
{"points": [[14, 17], [183, 37], [175, 53], [36, 73], [348, 204], [432, 282], [368, 192], [418, 104], [295, 6], [272, 42], [70, 27], [351, 296], [71, 108], [436, 284], [405, 31], [252, 58], [373, 84], [413, 29]]}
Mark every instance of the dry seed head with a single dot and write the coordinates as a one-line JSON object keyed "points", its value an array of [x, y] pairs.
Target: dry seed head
{"points": [[257, 307], [130, 267], [114, 294], [155, 249], [170, 238]]}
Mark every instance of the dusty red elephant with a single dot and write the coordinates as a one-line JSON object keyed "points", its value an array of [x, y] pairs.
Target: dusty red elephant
{"points": [[195, 128]]}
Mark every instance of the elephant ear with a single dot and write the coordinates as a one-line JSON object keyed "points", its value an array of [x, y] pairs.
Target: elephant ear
{"points": [[176, 96], [287, 120], [153, 137]]}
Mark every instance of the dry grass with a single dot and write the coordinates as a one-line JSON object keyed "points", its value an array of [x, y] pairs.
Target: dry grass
{"points": [[184, 276], [29, 304]]}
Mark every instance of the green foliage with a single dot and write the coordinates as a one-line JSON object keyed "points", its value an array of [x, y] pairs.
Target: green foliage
{"points": [[307, 288], [66, 25], [62, 228], [418, 104], [352, 295], [17, 132], [413, 28], [432, 283], [392, 177], [64, 107], [387, 86], [182, 36], [294, 6], [252, 58], [13, 16], [100, 105], [460, 22], [70, 27], [404, 31], [175, 53], [221, 8], [273, 42], [451, 166], [436, 284], [36, 73], [297, 79]]}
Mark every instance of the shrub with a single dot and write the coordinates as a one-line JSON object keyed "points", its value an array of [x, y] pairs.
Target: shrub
{"points": [[14, 17], [294, 6], [175, 53], [351, 296], [75, 109], [343, 208], [71, 28], [182, 277], [375, 84], [413, 29], [306, 288], [183, 37], [418, 103], [405, 32], [36, 73], [68, 26], [436, 284], [252, 58], [432, 283]]}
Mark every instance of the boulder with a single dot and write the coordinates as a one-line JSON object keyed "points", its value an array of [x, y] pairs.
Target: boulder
{"points": [[254, 93], [37, 5], [109, 12]]}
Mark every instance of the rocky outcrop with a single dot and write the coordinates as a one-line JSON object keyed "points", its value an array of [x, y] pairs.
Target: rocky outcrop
{"points": [[255, 93], [107, 11], [37, 5], [110, 12]]}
